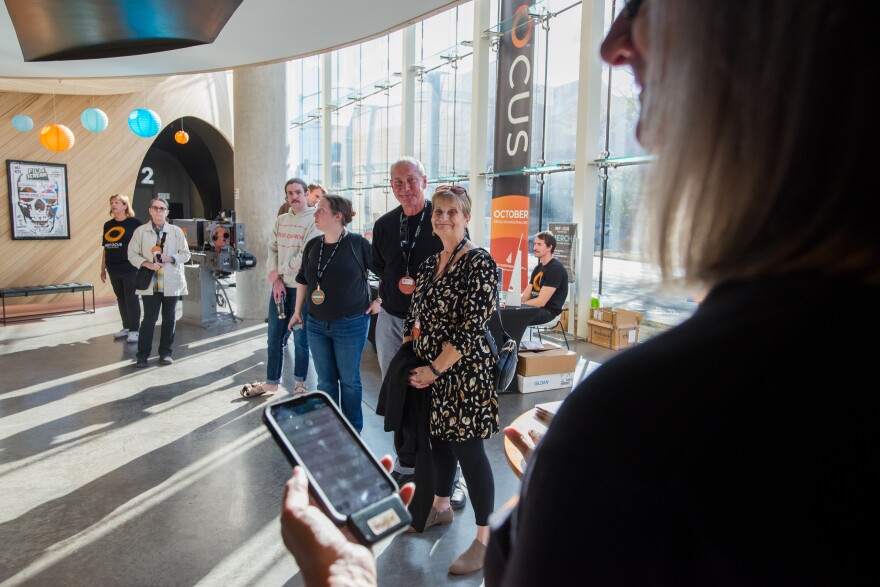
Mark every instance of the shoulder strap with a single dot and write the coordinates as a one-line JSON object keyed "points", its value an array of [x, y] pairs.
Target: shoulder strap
{"points": [[358, 258]]}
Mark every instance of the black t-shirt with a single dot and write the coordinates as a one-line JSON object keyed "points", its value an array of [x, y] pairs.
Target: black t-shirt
{"points": [[553, 274], [344, 281], [117, 235], [389, 262]]}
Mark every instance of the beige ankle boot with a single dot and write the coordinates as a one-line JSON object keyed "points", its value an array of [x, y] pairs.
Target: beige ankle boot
{"points": [[470, 561]]}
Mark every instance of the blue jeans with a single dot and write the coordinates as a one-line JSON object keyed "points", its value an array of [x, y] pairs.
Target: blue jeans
{"points": [[277, 341], [338, 346]]}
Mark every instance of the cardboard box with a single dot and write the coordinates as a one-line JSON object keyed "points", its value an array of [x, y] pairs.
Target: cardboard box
{"points": [[535, 383], [553, 360], [613, 329]]}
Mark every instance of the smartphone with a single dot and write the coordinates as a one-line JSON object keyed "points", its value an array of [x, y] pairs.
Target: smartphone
{"points": [[345, 478]]}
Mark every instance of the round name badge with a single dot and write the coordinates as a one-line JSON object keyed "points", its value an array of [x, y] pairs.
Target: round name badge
{"points": [[318, 297], [406, 285]]}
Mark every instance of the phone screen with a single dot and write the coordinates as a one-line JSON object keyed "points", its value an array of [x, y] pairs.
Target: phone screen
{"points": [[341, 465]]}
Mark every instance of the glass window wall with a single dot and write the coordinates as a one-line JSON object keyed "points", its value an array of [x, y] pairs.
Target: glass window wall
{"points": [[366, 116]]}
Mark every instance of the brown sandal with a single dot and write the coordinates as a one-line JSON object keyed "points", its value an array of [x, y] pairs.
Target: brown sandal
{"points": [[299, 389], [254, 389]]}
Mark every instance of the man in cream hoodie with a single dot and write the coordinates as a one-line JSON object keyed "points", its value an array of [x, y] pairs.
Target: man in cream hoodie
{"points": [[290, 234]]}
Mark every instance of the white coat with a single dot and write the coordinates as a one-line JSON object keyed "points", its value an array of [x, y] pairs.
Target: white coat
{"points": [[176, 247]]}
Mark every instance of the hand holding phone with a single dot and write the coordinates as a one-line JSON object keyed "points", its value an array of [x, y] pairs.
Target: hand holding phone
{"points": [[345, 478]]}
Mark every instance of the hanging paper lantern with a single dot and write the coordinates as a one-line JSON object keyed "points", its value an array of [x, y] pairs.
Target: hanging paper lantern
{"points": [[22, 123], [144, 123], [93, 119], [181, 137], [56, 137]]}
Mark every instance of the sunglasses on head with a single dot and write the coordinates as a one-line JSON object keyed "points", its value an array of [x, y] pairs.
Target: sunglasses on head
{"points": [[455, 189]]}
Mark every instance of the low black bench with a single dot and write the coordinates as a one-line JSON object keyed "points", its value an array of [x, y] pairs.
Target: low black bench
{"points": [[42, 290]]}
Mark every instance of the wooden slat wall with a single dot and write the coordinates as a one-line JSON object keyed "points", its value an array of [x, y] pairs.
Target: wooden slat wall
{"points": [[98, 166]]}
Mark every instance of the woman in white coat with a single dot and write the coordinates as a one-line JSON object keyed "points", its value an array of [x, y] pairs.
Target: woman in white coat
{"points": [[162, 247]]}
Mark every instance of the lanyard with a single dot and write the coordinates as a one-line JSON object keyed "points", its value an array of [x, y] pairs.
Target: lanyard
{"points": [[404, 235], [451, 257], [321, 254]]}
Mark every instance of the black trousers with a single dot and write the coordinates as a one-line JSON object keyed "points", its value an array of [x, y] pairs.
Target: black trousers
{"points": [[126, 299], [475, 467], [152, 305]]}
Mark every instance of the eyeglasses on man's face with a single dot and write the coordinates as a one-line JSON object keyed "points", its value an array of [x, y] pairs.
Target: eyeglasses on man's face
{"points": [[158, 209], [399, 183]]}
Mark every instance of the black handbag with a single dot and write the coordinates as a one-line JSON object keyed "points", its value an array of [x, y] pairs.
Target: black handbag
{"points": [[505, 356], [144, 278]]}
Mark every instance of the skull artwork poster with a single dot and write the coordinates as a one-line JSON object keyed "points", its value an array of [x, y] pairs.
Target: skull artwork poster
{"points": [[38, 200]]}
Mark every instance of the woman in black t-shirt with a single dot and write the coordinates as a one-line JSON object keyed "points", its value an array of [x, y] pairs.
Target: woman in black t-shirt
{"points": [[334, 271], [117, 233]]}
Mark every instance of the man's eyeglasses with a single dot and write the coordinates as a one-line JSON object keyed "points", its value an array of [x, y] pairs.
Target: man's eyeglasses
{"points": [[455, 189], [158, 209], [631, 8]]}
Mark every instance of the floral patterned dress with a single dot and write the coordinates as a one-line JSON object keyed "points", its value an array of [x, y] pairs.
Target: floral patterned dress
{"points": [[455, 308]]}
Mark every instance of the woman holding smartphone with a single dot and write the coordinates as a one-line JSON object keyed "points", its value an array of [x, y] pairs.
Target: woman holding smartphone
{"points": [[334, 273]]}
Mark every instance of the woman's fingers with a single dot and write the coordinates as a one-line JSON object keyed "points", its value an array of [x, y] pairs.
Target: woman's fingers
{"points": [[524, 445]]}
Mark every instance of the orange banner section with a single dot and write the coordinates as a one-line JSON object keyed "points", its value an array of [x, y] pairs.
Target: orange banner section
{"points": [[510, 235]]}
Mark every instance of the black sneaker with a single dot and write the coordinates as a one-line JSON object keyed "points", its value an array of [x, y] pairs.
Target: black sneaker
{"points": [[402, 478], [141, 363], [166, 360], [458, 499]]}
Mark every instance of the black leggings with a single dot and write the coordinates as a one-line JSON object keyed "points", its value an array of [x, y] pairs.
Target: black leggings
{"points": [[475, 468]]}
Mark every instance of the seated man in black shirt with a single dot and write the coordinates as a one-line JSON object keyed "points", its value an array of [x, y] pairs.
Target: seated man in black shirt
{"points": [[548, 286]]}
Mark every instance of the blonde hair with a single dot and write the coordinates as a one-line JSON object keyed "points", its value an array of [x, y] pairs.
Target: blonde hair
{"points": [[764, 129], [124, 199]]}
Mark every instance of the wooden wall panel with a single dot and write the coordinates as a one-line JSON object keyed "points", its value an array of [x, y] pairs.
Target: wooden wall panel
{"points": [[99, 165]]}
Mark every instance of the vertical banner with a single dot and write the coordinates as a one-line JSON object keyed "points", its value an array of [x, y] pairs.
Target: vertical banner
{"points": [[565, 234], [513, 131]]}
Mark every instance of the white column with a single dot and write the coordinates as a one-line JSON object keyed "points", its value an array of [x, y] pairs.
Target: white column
{"points": [[408, 94], [479, 115], [261, 150], [327, 119], [587, 148]]}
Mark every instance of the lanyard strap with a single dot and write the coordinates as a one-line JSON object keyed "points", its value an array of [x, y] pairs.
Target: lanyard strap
{"points": [[404, 235], [452, 256], [321, 254]]}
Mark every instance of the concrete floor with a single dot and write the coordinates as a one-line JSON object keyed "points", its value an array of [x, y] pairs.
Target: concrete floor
{"points": [[111, 475]]}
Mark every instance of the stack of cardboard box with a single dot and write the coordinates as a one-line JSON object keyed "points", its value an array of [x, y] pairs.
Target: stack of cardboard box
{"points": [[614, 329], [548, 368]]}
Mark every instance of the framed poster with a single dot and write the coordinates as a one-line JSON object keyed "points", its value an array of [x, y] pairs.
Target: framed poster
{"points": [[38, 203]]}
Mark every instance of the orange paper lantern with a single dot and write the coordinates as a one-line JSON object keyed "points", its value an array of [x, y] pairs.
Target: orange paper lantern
{"points": [[181, 137], [57, 137]]}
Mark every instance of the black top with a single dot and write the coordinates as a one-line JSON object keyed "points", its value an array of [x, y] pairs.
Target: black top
{"points": [[734, 449], [344, 282], [389, 263], [115, 239], [553, 274]]}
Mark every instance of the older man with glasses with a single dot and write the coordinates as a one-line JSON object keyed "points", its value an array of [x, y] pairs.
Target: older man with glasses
{"points": [[162, 247]]}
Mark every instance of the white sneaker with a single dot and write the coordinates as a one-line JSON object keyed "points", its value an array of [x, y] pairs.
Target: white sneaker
{"points": [[121, 334], [132, 336]]}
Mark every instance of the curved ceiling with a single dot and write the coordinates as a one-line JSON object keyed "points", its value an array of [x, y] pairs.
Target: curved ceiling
{"points": [[260, 31]]}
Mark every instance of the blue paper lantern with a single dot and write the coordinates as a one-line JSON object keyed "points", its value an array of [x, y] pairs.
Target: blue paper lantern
{"points": [[144, 123], [94, 120], [22, 123]]}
